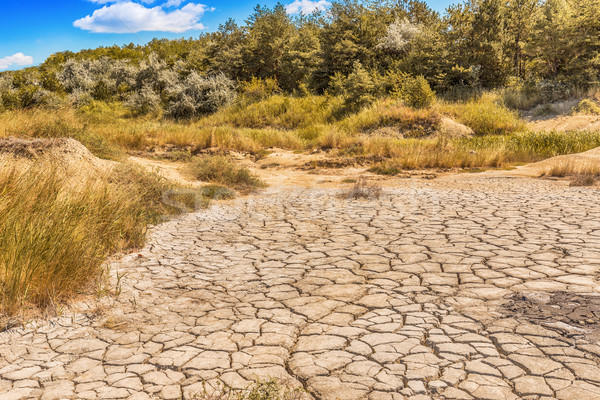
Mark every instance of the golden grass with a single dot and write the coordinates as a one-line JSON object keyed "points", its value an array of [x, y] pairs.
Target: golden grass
{"points": [[580, 173], [54, 236], [485, 115]]}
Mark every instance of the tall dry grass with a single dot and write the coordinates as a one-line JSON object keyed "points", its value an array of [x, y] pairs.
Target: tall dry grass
{"points": [[55, 234]]}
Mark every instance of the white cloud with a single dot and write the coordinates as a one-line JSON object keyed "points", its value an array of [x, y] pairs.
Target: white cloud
{"points": [[173, 3], [118, 1], [129, 17], [16, 59], [306, 6]]}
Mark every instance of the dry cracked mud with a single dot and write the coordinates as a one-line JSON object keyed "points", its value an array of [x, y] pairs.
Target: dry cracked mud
{"points": [[413, 295]]}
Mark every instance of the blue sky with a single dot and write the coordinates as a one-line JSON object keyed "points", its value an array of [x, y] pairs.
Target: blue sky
{"points": [[31, 30]]}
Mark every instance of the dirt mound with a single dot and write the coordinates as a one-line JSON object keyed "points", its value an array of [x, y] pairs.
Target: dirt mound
{"points": [[580, 161], [68, 155], [451, 128]]}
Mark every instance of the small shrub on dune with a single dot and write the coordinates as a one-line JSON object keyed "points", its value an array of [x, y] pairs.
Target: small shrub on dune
{"points": [[587, 107], [485, 116], [415, 92]]}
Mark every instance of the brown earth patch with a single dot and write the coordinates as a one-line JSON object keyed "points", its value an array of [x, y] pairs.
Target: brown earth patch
{"points": [[572, 315]]}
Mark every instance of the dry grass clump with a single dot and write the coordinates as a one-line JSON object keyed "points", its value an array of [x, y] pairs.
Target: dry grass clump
{"points": [[579, 173], [54, 236], [362, 189], [584, 180], [222, 170], [409, 122]]}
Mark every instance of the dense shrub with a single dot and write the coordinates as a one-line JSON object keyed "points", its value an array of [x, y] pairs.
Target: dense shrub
{"points": [[197, 96], [143, 101]]}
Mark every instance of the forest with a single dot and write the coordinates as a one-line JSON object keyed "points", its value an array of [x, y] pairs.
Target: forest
{"points": [[541, 51]]}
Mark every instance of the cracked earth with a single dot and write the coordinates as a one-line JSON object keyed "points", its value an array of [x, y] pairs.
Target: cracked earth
{"points": [[439, 289]]}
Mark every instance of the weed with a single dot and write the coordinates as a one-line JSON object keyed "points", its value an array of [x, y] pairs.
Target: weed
{"points": [[362, 189]]}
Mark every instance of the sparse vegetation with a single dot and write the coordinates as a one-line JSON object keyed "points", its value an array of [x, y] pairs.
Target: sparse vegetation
{"points": [[587, 107], [362, 189]]}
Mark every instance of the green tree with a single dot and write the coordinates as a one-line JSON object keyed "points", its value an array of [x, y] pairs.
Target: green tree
{"points": [[520, 19]]}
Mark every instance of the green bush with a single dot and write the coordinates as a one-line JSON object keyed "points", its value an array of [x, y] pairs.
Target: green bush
{"points": [[416, 92], [359, 88]]}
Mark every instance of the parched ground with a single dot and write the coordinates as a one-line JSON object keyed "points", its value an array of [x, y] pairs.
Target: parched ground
{"points": [[441, 289]]}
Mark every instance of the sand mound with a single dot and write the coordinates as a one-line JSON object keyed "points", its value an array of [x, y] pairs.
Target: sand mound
{"points": [[451, 128], [68, 155], [565, 123], [579, 161]]}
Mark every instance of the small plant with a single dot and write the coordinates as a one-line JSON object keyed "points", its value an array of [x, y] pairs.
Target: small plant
{"points": [[222, 170], [386, 168], [217, 192], [362, 189]]}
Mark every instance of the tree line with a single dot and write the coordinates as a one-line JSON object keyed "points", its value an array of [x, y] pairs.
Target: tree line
{"points": [[550, 45]]}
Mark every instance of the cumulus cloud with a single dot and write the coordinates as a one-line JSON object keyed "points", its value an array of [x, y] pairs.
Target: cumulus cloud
{"points": [[307, 6], [130, 17], [16, 59], [173, 3]]}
